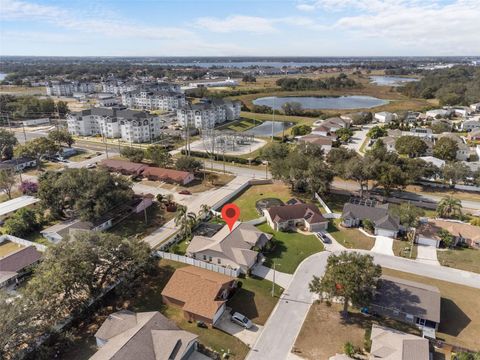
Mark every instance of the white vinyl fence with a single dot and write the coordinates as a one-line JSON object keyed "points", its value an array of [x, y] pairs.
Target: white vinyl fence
{"points": [[199, 263]]}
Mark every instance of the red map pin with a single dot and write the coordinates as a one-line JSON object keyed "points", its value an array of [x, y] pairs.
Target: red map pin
{"points": [[230, 214]]}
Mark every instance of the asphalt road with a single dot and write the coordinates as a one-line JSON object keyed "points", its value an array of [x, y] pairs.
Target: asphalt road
{"points": [[284, 324]]}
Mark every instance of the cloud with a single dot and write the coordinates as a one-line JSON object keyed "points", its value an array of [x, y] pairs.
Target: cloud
{"points": [[253, 24], [87, 21]]}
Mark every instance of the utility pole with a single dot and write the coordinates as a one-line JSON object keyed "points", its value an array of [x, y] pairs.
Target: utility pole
{"points": [[24, 133]]}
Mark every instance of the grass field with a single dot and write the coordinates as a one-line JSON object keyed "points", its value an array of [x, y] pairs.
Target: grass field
{"points": [[460, 258], [291, 249], [402, 248], [241, 125], [247, 199], [460, 313], [350, 238]]}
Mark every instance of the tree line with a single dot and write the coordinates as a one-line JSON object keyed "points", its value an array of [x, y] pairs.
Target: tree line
{"points": [[30, 107], [335, 82]]}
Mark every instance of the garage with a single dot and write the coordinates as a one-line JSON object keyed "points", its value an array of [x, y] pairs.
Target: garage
{"points": [[219, 313], [385, 232], [421, 240]]}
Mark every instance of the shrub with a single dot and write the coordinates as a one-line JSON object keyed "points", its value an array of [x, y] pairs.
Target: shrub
{"points": [[349, 349], [368, 225]]}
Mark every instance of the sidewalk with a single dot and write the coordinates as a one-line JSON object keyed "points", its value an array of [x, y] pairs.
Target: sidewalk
{"points": [[282, 279]]}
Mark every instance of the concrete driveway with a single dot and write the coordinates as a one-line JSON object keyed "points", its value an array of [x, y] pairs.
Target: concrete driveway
{"points": [[383, 245], [427, 254], [247, 336], [264, 272]]}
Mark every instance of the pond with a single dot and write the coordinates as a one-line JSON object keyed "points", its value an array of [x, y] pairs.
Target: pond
{"points": [[267, 127], [390, 80], [329, 102]]}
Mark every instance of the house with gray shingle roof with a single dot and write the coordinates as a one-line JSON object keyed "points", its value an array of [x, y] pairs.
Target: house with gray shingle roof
{"points": [[385, 224], [126, 335]]}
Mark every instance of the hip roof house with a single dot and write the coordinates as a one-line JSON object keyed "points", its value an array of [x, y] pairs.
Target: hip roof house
{"points": [[285, 217]]}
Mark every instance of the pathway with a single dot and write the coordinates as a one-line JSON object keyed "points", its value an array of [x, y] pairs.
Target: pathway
{"points": [[282, 279], [383, 245], [427, 254]]}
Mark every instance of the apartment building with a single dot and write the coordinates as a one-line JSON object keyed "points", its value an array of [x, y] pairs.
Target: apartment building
{"points": [[62, 88], [118, 87], [153, 100], [208, 113], [128, 125]]}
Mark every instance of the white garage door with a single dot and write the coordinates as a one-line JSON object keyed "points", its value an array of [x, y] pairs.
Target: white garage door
{"points": [[426, 241], [384, 232], [219, 313]]}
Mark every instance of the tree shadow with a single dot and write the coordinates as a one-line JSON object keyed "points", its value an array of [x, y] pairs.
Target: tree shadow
{"points": [[275, 254], [453, 319], [243, 301]]}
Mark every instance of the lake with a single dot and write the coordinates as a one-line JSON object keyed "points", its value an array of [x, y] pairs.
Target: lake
{"points": [[390, 80], [265, 129], [312, 102]]}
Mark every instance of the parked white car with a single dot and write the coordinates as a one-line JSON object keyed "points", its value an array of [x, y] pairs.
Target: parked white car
{"points": [[242, 320]]}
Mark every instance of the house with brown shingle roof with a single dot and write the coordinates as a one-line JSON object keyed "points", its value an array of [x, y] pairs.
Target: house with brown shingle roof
{"points": [[200, 293], [123, 166], [233, 249], [168, 175], [126, 335], [428, 232], [287, 217]]}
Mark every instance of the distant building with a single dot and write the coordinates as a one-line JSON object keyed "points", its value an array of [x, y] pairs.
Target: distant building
{"points": [[475, 107], [220, 83], [325, 142], [35, 122], [438, 113], [153, 100], [62, 88], [207, 114], [469, 125], [129, 125], [18, 164], [384, 117]]}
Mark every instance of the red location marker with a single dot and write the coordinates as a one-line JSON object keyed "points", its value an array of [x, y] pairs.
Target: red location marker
{"points": [[230, 214]]}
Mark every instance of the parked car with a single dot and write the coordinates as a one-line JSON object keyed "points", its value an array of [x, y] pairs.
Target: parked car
{"points": [[242, 320], [323, 238], [185, 192], [91, 166]]}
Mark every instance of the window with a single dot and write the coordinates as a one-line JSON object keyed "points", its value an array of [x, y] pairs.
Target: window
{"points": [[219, 261], [210, 258], [204, 257]]}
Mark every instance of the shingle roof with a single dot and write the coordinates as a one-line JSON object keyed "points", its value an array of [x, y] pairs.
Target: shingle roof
{"points": [[309, 212], [20, 259], [433, 226], [390, 344], [114, 113], [198, 289], [166, 174], [410, 297], [379, 215], [234, 245], [123, 165], [145, 336]]}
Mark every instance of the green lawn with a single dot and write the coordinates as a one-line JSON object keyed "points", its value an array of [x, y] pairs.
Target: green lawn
{"points": [[350, 238], [402, 248], [291, 248], [460, 258], [254, 299], [241, 125], [247, 199]]}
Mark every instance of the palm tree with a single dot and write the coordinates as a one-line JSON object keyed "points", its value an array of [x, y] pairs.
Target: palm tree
{"points": [[185, 220], [204, 211], [449, 207]]}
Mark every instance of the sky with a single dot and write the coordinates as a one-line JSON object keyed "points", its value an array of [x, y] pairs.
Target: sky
{"points": [[240, 27]]}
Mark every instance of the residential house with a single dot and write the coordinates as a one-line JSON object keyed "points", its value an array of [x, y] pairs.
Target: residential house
{"points": [[354, 215], [384, 117], [407, 301], [433, 160], [168, 175], [463, 233], [325, 142], [124, 167], [126, 335], [18, 164], [469, 125], [236, 249], [60, 231], [463, 111], [17, 258], [389, 142], [10, 206], [390, 344], [438, 113], [463, 152], [200, 293], [474, 135], [289, 216], [322, 131]]}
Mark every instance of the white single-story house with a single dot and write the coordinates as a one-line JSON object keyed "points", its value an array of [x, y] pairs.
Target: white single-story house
{"points": [[384, 117], [10, 206]]}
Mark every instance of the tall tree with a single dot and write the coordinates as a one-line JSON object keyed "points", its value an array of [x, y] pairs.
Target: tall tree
{"points": [[8, 179], [37, 149], [158, 155], [408, 214], [351, 276], [7, 143], [455, 172], [445, 149], [133, 154], [449, 207], [61, 136], [185, 220], [187, 163], [409, 145], [22, 222]]}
